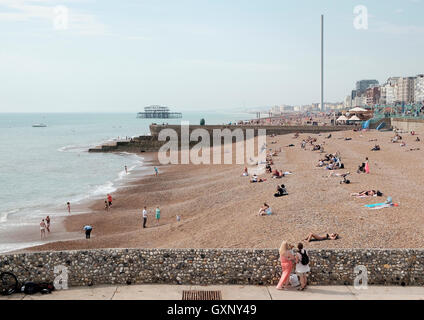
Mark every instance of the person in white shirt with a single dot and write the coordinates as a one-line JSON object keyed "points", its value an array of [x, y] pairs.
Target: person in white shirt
{"points": [[302, 269], [144, 217]]}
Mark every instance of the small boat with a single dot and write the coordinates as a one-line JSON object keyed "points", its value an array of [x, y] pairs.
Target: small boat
{"points": [[39, 125]]}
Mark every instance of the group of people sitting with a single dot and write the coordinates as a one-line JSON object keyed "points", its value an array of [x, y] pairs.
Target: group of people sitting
{"points": [[331, 162]]}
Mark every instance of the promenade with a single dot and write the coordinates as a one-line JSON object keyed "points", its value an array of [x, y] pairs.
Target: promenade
{"points": [[174, 292]]}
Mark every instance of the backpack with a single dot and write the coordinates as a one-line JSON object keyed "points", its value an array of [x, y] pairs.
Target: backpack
{"points": [[305, 258]]}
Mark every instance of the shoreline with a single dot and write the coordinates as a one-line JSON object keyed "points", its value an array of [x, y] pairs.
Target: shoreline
{"points": [[60, 232], [219, 207]]}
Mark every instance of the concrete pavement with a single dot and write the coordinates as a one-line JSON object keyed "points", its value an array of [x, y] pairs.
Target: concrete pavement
{"points": [[229, 292]]}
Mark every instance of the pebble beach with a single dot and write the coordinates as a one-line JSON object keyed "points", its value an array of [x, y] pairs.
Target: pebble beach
{"points": [[218, 206]]}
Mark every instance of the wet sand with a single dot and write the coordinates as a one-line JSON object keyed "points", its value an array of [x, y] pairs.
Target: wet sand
{"points": [[218, 206]]}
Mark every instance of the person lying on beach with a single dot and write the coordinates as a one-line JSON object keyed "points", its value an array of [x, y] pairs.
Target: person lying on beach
{"points": [[371, 140], [335, 174], [368, 193], [265, 210], [316, 237], [376, 148], [329, 136], [281, 191], [413, 149], [348, 139], [403, 144], [255, 179]]}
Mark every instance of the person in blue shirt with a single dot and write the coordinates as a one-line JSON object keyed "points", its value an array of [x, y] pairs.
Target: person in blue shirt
{"points": [[88, 229]]}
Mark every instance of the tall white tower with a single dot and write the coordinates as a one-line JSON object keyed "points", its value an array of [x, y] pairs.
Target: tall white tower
{"points": [[322, 62]]}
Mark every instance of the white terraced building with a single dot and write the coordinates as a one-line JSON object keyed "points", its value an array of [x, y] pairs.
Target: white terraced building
{"points": [[419, 88]]}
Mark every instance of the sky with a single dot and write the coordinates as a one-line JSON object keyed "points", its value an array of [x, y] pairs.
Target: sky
{"points": [[120, 56]]}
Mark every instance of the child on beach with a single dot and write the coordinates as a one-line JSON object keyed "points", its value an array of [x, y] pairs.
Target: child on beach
{"points": [[157, 215], [144, 217], [68, 204], [42, 229], [106, 205]]}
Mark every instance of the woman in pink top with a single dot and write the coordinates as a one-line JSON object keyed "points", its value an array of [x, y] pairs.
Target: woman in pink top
{"points": [[286, 259]]}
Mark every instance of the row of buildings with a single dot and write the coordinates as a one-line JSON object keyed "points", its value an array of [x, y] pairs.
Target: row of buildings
{"points": [[395, 91], [278, 110]]}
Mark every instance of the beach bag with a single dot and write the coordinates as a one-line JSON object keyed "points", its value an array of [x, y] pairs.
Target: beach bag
{"points": [[305, 258], [294, 280]]}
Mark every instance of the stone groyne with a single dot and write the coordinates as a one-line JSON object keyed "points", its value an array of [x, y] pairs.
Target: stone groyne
{"points": [[152, 144], [214, 266]]}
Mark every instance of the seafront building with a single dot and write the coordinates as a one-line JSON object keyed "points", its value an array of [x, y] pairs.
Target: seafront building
{"points": [[405, 90], [419, 88]]}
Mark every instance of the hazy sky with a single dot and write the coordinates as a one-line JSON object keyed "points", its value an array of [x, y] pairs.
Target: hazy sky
{"points": [[123, 55]]}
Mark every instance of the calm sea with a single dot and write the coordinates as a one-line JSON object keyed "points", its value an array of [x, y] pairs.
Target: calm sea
{"points": [[43, 168]]}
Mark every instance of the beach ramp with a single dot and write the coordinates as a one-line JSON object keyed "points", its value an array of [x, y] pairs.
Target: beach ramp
{"points": [[381, 126], [366, 124]]}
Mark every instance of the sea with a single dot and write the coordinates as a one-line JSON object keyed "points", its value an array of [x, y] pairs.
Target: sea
{"points": [[42, 168]]}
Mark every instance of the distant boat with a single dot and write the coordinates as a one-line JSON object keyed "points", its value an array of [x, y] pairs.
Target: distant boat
{"points": [[39, 125]]}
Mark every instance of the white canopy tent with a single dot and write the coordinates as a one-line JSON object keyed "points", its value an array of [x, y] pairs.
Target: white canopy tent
{"points": [[357, 109], [354, 118], [342, 118]]}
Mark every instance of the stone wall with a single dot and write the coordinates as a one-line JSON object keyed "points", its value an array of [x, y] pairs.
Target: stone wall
{"points": [[214, 266], [408, 124]]}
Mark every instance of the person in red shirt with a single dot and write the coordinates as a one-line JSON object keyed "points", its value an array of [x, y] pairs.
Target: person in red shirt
{"points": [[109, 199]]}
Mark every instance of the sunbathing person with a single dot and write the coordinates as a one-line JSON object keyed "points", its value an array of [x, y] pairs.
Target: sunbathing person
{"points": [[316, 237], [376, 148], [265, 210], [281, 191], [369, 193], [255, 179]]}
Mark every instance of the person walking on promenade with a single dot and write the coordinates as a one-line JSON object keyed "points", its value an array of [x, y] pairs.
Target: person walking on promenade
{"points": [[286, 259], [157, 215], [302, 266], [144, 217], [88, 230]]}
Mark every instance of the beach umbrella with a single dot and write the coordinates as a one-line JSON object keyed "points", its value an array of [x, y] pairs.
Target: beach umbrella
{"points": [[342, 118]]}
